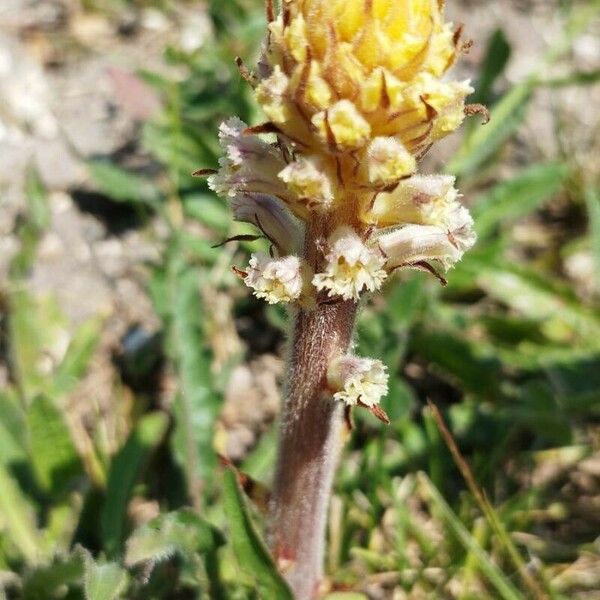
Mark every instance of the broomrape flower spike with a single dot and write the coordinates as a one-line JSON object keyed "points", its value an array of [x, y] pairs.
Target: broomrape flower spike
{"points": [[354, 93]]}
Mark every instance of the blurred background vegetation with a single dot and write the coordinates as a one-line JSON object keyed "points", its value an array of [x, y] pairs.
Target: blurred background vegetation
{"points": [[131, 356]]}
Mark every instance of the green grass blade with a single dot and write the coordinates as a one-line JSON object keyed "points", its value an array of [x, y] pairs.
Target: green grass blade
{"points": [[518, 197], [495, 61], [592, 198], [483, 143], [504, 587], [125, 472], [251, 552], [123, 186], [18, 518]]}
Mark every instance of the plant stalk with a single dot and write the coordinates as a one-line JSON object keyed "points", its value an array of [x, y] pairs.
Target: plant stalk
{"points": [[310, 438]]}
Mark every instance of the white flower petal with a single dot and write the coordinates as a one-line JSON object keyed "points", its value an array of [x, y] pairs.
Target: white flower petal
{"points": [[356, 379], [352, 266]]}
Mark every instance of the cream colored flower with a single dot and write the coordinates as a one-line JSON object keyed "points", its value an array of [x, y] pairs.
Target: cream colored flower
{"points": [[358, 380], [250, 165], [275, 279], [422, 243], [352, 267], [421, 199]]}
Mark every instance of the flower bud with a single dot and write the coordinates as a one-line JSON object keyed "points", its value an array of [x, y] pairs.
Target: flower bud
{"points": [[388, 161], [307, 179], [352, 266], [358, 380]]}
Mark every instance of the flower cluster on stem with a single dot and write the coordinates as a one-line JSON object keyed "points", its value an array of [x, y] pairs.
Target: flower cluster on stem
{"points": [[355, 94]]}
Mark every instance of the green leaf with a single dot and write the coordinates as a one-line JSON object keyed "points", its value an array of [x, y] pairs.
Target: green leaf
{"points": [[76, 360], [53, 454], [13, 443], [495, 61], [125, 471], [123, 186], [503, 585], [252, 555], [518, 197], [196, 405], [592, 198], [484, 142], [18, 518], [48, 582], [208, 210], [103, 580], [537, 298], [182, 532]]}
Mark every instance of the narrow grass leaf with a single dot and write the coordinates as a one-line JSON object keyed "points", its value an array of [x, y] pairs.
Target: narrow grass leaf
{"points": [[18, 517], [495, 61], [518, 197], [125, 471], [252, 554], [592, 198], [77, 358], [504, 587], [123, 186], [485, 141]]}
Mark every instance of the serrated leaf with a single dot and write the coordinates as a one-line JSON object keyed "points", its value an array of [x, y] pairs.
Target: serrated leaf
{"points": [[125, 471], [103, 580], [182, 532], [53, 455], [518, 197], [252, 554]]}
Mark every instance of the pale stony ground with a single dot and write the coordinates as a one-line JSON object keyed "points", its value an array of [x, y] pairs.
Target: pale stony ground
{"points": [[67, 95]]}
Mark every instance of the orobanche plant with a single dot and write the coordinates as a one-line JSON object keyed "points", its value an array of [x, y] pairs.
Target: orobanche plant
{"points": [[355, 95]]}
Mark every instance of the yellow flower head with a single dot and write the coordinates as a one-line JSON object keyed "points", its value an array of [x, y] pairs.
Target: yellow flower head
{"points": [[342, 72]]}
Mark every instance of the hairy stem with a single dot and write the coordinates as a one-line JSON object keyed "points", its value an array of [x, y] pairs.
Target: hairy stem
{"points": [[309, 443]]}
